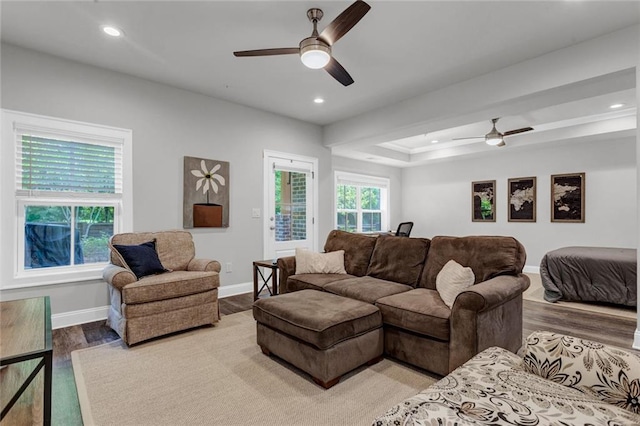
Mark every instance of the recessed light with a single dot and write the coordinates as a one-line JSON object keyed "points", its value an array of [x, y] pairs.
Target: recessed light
{"points": [[616, 106], [318, 100], [112, 31], [435, 141]]}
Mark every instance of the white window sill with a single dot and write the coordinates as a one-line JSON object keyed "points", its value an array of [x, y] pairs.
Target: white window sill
{"points": [[53, 276]]}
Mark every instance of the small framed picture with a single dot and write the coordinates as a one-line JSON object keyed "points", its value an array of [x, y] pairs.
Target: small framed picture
{"points": [[522, 199], [483, 201], [567, 197]]}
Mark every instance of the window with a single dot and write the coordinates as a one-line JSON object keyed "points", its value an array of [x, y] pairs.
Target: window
{"points": [[66, 189], [361, 203]]}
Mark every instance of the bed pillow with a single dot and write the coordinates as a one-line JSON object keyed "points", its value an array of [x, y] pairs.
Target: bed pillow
{"points": [[308, 262], [452, 280], [141, 259]]}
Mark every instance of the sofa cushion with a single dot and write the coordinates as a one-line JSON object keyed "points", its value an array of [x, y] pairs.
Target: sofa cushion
{"points": [[607, 373], [308, 262], [487, 256], [420, 310], [357, 250], [335, 319], [141, 259], [398, 259], [452, 280], [138, 310], [493, 388], [168, 286], [366, 289], [313, 281]]}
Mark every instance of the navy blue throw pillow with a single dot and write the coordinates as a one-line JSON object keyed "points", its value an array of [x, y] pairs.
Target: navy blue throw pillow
{"points": [[142, 259]]}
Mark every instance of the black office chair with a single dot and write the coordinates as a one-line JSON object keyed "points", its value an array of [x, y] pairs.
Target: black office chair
{"points": [[404, 229]]}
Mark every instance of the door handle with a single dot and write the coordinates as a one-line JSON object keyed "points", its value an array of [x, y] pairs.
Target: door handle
{"points": [[272, 227]]}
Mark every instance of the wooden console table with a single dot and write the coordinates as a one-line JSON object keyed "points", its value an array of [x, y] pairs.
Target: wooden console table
{"points": [[273, 277], [25, 350]]}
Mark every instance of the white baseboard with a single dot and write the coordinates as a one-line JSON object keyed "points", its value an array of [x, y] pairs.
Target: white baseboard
{"points": [[67, 319], [235, 289], [531, 269]]}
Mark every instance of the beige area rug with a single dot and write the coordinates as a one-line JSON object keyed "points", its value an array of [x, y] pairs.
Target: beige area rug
{"points": [[219, 376], [535, 293]]}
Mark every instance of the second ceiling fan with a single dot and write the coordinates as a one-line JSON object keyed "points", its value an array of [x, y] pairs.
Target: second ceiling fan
{"points": [[496, 138], [315, 51]]}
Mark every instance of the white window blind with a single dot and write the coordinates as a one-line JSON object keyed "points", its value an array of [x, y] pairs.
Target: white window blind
{"points": [[352, 179], [57, 165]]}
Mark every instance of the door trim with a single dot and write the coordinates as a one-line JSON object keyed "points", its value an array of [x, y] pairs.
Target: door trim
{"points": [[267, 155]]}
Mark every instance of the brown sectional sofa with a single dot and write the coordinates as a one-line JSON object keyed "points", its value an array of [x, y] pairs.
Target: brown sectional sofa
{"points": [[398, 275]]}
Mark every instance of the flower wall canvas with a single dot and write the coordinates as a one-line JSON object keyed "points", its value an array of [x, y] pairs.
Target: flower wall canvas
{"points": [[206, 193]]}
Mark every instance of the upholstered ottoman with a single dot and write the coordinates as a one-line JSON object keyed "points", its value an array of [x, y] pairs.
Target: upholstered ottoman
{"points": [[322, 334]]}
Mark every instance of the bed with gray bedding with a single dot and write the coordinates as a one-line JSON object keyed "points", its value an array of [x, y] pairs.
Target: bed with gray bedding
{"points": [[590, 274]]}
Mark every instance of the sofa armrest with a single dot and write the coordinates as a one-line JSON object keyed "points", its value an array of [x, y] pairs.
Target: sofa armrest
{"points": [[204, 265], [286, 267], [491, 293], [487, 314], [118, 276]]}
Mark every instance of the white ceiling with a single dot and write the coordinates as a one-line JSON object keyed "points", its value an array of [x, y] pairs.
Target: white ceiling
{"points": [[397, 51]]}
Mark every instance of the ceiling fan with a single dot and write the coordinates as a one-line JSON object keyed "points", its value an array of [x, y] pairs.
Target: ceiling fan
{"points": [[496, 138], [315, 51]]}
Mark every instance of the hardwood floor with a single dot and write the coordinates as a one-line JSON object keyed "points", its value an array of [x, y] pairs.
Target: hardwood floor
{"points": [[600, 327], [537, 316]]}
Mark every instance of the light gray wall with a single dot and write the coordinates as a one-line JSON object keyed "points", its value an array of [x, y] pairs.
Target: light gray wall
{"points": [[394, 174], [167, 123], [438, 196]]}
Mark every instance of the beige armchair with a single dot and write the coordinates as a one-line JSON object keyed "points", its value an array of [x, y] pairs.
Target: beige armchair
{"points": [[155, 305]]}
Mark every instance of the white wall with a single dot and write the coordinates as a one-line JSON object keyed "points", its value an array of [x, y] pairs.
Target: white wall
{"points": [[167, 123], [438, 196], [394, 175]]}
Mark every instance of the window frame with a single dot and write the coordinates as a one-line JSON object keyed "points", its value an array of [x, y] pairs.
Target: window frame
{"points": [[14, 200], [360, 181]]}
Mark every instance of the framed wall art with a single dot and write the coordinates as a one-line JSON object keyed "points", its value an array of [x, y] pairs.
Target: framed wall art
{"points": [[483, 201], [522, 199], [567, 197], [206, 193]]}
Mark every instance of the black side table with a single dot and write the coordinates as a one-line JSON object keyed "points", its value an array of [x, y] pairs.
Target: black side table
{"points": [[273, 277]]}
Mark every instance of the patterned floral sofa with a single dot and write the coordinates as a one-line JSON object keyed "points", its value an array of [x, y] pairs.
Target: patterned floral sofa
{"points": [[560, 380]]}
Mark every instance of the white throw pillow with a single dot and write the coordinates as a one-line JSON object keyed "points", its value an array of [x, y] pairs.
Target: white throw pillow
{"points": [[308, 262], [452, 280]]}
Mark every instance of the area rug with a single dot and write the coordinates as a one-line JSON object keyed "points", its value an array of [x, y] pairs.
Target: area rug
{"points": [[535, 293], [219, 376]]}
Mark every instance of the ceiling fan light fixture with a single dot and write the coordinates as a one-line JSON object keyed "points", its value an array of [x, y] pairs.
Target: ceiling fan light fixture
{"points": [[494, 137], [494, 140], [314, 54]]}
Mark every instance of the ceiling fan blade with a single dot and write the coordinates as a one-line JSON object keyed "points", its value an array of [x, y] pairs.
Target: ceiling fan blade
{"points": [[344, 22], [338, 72], [516, 131], [468, 137], [268, 52]]}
